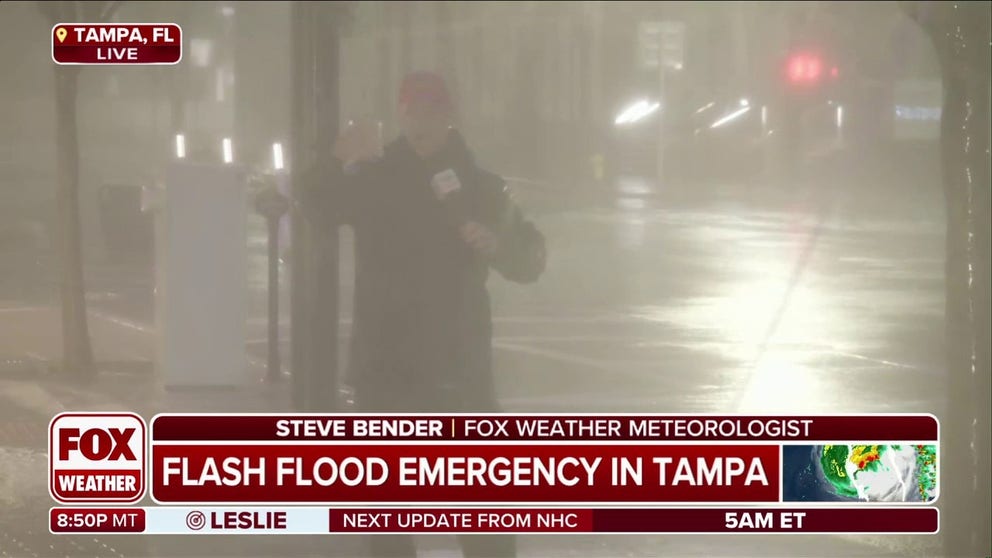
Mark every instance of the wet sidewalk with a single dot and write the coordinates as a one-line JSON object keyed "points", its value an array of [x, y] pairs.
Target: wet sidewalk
{"points": [[687, 310], [30, 394], [27, 403]]}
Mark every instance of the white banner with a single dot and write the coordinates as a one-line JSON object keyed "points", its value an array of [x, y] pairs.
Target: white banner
{"points": [[191, 520], [296, 521]]}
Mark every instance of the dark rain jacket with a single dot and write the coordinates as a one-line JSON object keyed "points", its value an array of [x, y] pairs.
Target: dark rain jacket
{"points": [[422, 329]]}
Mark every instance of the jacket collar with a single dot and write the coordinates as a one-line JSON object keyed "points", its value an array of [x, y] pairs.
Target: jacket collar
{"points": [[454, 154]]}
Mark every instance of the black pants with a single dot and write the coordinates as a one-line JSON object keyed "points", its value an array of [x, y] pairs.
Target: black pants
{"points": [[381, 399]]}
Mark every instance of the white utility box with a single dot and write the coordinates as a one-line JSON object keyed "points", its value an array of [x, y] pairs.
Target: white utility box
{"points": [[201, 276]]}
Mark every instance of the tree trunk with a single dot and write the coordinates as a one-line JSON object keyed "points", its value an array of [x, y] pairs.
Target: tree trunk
{"points": [[965, 151], [961, 35], [77, 353]]}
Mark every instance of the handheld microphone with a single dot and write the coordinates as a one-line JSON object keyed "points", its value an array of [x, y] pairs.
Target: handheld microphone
{"points": [[448, 189]]}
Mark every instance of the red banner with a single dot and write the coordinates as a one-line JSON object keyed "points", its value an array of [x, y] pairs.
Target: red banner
{"points": [[544, 428], [464, 473], [95, 485], [97, 520], [117, 43], [473, 520], [636, 520]]}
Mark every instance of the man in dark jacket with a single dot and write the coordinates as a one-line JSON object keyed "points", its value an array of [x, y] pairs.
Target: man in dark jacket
{"points": [[429, 224]]}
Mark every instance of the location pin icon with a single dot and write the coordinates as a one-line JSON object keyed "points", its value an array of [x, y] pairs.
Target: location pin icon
{"points": [[60, 33]]}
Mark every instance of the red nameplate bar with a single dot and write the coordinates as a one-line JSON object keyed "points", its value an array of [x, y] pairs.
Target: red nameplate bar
{"points": [[635, 520], [464, 473], [117, 43], [543, 428]]}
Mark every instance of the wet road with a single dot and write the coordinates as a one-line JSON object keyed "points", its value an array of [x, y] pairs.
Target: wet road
{"points": [[804, 309], [824, 302], [820, 302]]}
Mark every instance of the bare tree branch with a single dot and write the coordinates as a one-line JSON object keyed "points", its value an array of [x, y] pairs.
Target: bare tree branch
{"points": [[108, 10], [49, 11], [90, 10], [75, 10]]}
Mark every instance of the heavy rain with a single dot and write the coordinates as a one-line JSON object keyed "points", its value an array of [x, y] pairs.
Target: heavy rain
{"points": [[755, 208]]}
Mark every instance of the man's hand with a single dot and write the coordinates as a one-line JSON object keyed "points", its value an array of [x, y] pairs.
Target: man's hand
{"points": [[479, 238], [360, 141]]}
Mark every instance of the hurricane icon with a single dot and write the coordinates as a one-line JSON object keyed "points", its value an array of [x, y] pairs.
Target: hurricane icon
{"points": [[195, 520]]}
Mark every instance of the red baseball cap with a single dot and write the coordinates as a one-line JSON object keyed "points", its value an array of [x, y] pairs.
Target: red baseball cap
{"points": [[425, 88]]}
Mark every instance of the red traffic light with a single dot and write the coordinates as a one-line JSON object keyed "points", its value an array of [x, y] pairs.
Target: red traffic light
{"points": [[805, 68]]}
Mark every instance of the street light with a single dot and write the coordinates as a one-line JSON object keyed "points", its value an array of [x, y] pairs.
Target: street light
{"points": [[272, 205], [228, 150], [277, 161], [180, 146]]}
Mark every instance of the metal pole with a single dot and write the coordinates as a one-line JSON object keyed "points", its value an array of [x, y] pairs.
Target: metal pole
{"points": [[299, 152], [324, 382], [274, 366], [665, 108], [314, 258]]}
